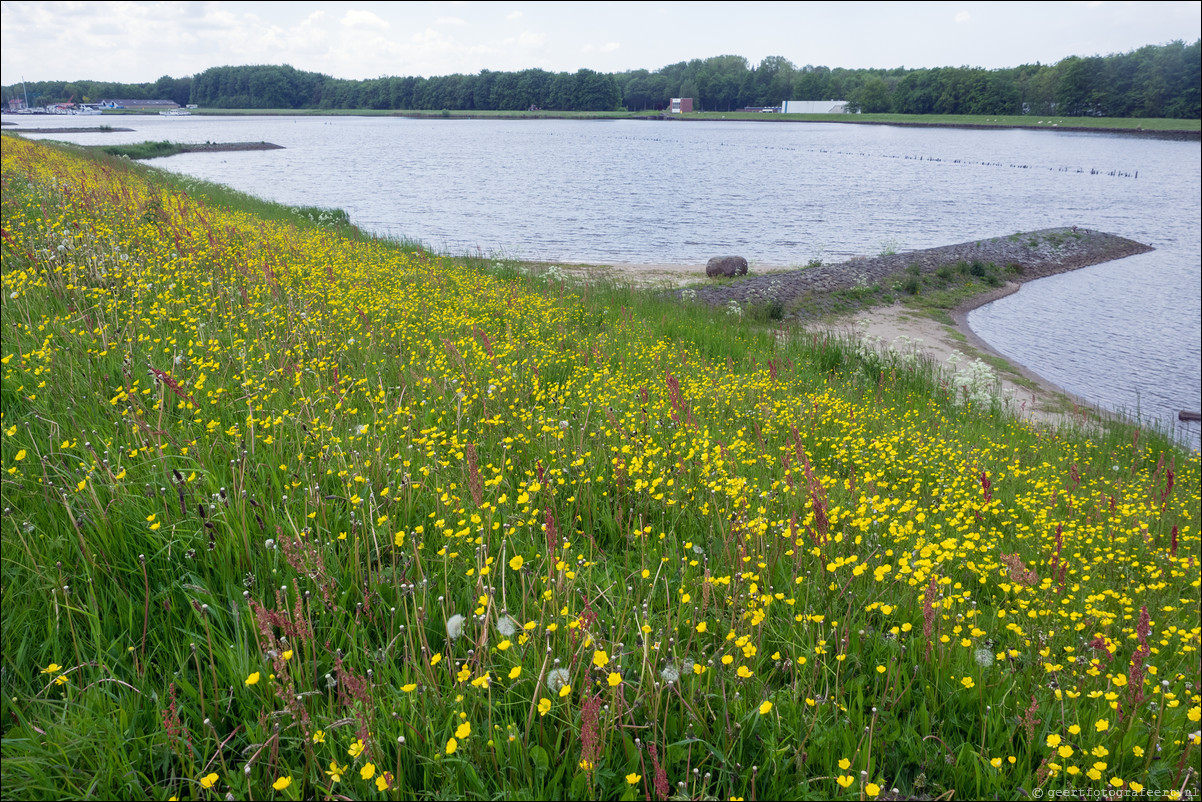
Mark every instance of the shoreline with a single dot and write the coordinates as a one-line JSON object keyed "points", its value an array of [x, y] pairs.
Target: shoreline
{"points": [[1028, 256], [1178, 134], [1030, 395]]}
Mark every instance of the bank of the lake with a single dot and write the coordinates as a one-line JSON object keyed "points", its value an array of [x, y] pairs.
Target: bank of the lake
{"points": [[1157, 126], [282, 475], [867, 299], [635, 192]]}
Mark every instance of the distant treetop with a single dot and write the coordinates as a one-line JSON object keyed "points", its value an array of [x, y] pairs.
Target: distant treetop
{"points": [[1153, 81]]}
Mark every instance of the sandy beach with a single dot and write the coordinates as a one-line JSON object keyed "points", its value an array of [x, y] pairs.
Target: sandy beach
{"points": [[1029, 394]]}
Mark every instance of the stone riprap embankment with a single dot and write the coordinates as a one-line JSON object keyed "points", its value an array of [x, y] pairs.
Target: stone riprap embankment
{"points": [[228, 147], [1036, 254]]}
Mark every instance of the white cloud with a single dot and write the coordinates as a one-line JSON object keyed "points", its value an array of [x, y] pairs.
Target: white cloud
{"points": [[139, 40], [364, 19]]}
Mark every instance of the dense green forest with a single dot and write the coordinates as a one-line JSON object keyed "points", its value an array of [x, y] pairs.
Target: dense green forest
{"points": [[1153, 81]]}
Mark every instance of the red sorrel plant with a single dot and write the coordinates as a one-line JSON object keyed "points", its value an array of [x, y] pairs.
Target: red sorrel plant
{"points": [[1135, 674], [473, 473], [928, 611], [661, 777], [590, 732]]}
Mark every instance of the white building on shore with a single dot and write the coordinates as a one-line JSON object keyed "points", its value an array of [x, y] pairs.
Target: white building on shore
{"points": [[814, 107]]}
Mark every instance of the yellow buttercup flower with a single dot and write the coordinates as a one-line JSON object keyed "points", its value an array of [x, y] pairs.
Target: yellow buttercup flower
{"points": [[208, 781], [282, 783]]}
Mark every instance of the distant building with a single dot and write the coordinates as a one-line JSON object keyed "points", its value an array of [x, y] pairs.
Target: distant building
{"points": [[681, 105], [761, 109], [814, 107], [139, 105]]}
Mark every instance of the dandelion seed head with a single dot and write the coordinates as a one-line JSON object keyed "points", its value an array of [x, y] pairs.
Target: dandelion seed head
{"points": [[557, 678]]}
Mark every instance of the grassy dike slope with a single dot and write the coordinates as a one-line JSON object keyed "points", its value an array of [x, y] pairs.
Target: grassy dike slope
{"points": [[291, 512]]}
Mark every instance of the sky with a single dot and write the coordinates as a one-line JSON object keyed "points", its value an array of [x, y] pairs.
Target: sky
{"points": [[135, 42]]}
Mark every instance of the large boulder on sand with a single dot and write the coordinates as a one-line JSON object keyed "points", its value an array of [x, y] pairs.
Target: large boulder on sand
{"points": [[726, 267]]}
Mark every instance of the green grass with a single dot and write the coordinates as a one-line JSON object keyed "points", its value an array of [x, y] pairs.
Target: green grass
{"points": [[143, 150], [255, 462]]}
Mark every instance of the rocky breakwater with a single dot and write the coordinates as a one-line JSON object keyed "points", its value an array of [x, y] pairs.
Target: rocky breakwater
{"points": [[227, 147], [1031, 255]]}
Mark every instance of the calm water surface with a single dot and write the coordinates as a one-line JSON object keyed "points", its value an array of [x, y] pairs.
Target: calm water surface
{"points": [[1124, 335]]}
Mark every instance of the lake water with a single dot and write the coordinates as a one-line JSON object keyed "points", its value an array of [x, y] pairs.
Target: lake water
{"points": [[1124, 335]]}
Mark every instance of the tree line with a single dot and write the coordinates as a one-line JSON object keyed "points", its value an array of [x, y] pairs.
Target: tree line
{"points": [[1153, 81]]}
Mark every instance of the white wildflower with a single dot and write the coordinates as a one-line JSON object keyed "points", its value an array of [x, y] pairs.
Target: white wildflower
{"points": [[454, 626], [670, 674], [506, 626]]}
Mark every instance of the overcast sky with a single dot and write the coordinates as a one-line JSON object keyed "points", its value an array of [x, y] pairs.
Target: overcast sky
{"points": [[140, 41]]}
